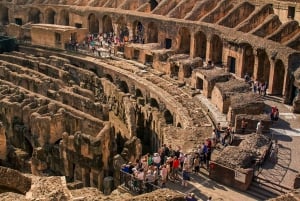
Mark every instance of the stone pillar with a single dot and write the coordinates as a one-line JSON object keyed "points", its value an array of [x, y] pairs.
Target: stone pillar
{"points": [[130, 29], [255, 70], [3, 145], [208, 49], [192, 45], [85, 179], [108, 185], [100, 25], [271, 78]]}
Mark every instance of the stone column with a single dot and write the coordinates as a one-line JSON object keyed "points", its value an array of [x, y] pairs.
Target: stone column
{"points": [[255, 70], [192, 45], [208, 49], [85, 179], [271, 78], [3, 145], [100, 24], [130, 29]]}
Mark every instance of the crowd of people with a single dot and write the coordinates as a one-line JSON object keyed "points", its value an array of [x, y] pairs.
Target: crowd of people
{"points": [[257, 86], [171, 164]]}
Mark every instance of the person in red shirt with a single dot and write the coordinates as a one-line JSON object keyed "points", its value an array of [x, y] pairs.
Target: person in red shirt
{"points": [[175, 166]]}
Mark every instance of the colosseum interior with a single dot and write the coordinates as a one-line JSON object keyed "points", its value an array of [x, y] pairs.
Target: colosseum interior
{"points": [[80, 113]]}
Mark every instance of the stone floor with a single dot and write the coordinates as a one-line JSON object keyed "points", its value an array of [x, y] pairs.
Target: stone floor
{"points": [[287, 131], [203, 187]]}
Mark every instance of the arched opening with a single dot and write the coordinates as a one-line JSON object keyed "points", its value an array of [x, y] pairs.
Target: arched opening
{"points": [[278, 78], [138, 32], [216, 49], [138, 93], [120, 142], [179, 125], [123, 87], [4, 15], [152, 33], [109, 77], [107, 24], [184, 41], [145, 133], [35, 16], [168, 117], [248, 62], [93, 24], [64, 18], [50, 16], [123, 31], [153, 103], [153, 4], [27, 147], [199, 83], [200, 45], [263, 72]]}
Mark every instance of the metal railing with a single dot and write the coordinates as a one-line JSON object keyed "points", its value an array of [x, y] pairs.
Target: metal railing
{"points": [[136, 186]]}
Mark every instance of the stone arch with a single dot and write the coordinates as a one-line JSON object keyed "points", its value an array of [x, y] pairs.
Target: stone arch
{"points": [[107, 24], [179, 125], [109, 77], [152, 33], [216, 49], [64, 18], [27, 146], [4, 19], [248, 61], [35, 16], [184, 40], [168, 117], [200, 45], [50, 16], [138, 93], [123, 87], [138, 32], [93, 23], [263, 70], [122, 29], [278, 78], [153, 103]]}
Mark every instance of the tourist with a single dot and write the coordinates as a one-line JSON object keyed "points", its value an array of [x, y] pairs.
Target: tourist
{"points": [[197, 163], [190, 197], [156, 160], [185, 175], [243, 125], [259, 127], [274, 114], [164, 175], [175, 167], [181, 159], [209, 199], [274, 152]]}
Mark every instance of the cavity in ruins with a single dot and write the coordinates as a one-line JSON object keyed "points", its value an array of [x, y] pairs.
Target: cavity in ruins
{"points": [[146, 99]]}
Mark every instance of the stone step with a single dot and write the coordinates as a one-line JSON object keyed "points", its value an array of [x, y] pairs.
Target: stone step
{"points": [[270, 186], [261, 192]]}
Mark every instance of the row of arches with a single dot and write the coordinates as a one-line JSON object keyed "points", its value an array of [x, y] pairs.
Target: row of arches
{"points": [[123, 86], [208, 46]]}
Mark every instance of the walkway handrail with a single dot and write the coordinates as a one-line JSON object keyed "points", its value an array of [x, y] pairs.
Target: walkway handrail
{"points": [[136, 186]]}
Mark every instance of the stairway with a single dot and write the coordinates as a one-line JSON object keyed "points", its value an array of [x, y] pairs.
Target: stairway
{"points": [[262, 189]]}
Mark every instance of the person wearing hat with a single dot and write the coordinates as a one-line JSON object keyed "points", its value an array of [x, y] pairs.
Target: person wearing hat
{"points": [[191, 197]]}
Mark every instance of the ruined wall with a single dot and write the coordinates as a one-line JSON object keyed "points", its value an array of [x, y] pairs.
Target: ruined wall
{"points": [[3, 144], [15, 180]]}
